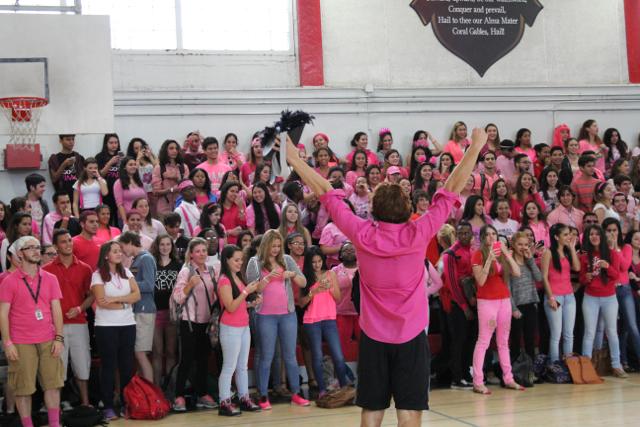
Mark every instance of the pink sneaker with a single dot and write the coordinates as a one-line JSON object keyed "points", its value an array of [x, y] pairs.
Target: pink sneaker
{"points": [[298, 400], [179, 404], [264, 403]]}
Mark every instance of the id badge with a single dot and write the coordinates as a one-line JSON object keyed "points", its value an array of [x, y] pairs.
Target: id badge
{"points": [[39, 315]]}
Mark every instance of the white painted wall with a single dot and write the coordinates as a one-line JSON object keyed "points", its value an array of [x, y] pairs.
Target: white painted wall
{"points": [[384, 43]]}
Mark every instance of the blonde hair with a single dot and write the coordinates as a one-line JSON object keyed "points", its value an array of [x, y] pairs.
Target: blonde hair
{"points": [[454, 136], [192, 244], [447, 234], [264, 249]]}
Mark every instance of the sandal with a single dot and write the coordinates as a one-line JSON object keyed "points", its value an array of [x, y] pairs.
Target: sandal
{"points": [[514, 386], [481, 389]]}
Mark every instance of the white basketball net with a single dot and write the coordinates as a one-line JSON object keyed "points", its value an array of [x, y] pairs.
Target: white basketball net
{"points": [[23, 115]]}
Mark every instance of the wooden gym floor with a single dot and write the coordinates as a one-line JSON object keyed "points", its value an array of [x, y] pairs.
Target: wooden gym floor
{"points": [[614, 403]]}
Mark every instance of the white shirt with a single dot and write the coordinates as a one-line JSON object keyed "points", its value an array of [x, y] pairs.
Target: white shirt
{"points": [[90, 195], [189, 218], [116, 287]]}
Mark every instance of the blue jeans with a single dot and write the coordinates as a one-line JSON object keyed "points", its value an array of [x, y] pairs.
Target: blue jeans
{"points": [[329, 330], [592, 307], [284, 327], [276, 372], [235, 342], [561, 322], [627, 306]]}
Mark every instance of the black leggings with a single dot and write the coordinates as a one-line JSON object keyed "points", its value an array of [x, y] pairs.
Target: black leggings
{"points": [[116, 349], [194, 346], [524, 326]]}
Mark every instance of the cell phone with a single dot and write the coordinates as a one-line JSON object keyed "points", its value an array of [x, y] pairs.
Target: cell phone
{"points": [[497, 248], [120, 154]]}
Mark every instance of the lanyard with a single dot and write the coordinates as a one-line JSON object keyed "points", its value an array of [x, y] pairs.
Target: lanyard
{"points": [[37, 294]]}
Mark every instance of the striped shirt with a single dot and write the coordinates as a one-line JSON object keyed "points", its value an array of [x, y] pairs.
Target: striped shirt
{"points": [[584, 188]]}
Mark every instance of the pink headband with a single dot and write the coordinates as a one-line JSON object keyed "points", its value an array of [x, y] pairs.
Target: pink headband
{"points": [[384, 131]]}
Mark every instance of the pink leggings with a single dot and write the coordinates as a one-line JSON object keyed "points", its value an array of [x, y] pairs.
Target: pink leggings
{"points": [[493, 314]]}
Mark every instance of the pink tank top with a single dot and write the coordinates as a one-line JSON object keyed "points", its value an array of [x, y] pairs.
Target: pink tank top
{"points": [[274, 297], [322, 307], [560, 281]]}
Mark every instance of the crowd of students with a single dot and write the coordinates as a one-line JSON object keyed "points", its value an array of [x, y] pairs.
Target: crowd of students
{"points": [[546, 234]]}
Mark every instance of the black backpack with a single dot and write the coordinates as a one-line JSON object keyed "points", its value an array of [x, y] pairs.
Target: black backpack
{"points": [[83, 416]]}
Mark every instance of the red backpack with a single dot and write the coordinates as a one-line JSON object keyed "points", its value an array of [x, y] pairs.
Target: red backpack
{"points": [[145, 400]]}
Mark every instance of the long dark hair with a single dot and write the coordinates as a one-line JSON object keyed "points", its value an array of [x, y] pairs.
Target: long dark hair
{"points": [[602, 250], [494, 190], [353, 159], [622, 146], [607, 222], [554, 233], [207, 180], [105, 140], [5, 221], [12, 228], [163, 158], [526, 220], [519, 136], [124, 176], [258, 172], [470, 208], [205, 222], [83, 173], [307, 268], [132, 143], [418, 181], [544, 184], [225, 256], [103, 263], [270, 207], [413, 163], [224, 190]]}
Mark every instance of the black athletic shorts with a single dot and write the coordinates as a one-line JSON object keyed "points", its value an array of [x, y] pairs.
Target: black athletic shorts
{"points": [[398, 370]]}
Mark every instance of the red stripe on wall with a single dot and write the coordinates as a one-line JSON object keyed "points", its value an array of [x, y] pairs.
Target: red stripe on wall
{"points": [[632, 22], [310, 43]]}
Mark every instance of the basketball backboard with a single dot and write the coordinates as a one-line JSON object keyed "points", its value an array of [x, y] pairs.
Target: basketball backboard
{"points": [[65, 58]]}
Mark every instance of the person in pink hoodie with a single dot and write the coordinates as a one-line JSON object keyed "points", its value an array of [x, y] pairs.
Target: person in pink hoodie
{"points": [[394, 310]]}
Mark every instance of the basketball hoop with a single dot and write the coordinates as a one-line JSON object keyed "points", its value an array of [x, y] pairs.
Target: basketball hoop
{"points": [[23, 114]]}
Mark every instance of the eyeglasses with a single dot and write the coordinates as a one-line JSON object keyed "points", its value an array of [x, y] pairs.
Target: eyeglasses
{"points": [[51, 253], [297, 243], [32, 248]]}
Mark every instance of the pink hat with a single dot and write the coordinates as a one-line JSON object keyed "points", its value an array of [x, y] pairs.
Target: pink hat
{"points": [[393, 170], [185, 184]]}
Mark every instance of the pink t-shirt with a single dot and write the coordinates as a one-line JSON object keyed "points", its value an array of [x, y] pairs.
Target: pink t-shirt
{"points": [[24, 328], [332, 236], [240, 317], [391, 264], [322, 307], [345, 275], [560, 281], [274, 296], [215, 172], [126, 197], [247, 172], [103, 235]]}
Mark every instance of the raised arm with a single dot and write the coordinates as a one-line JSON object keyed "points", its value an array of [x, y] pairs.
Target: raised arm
{"points": [[458, 178]]}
